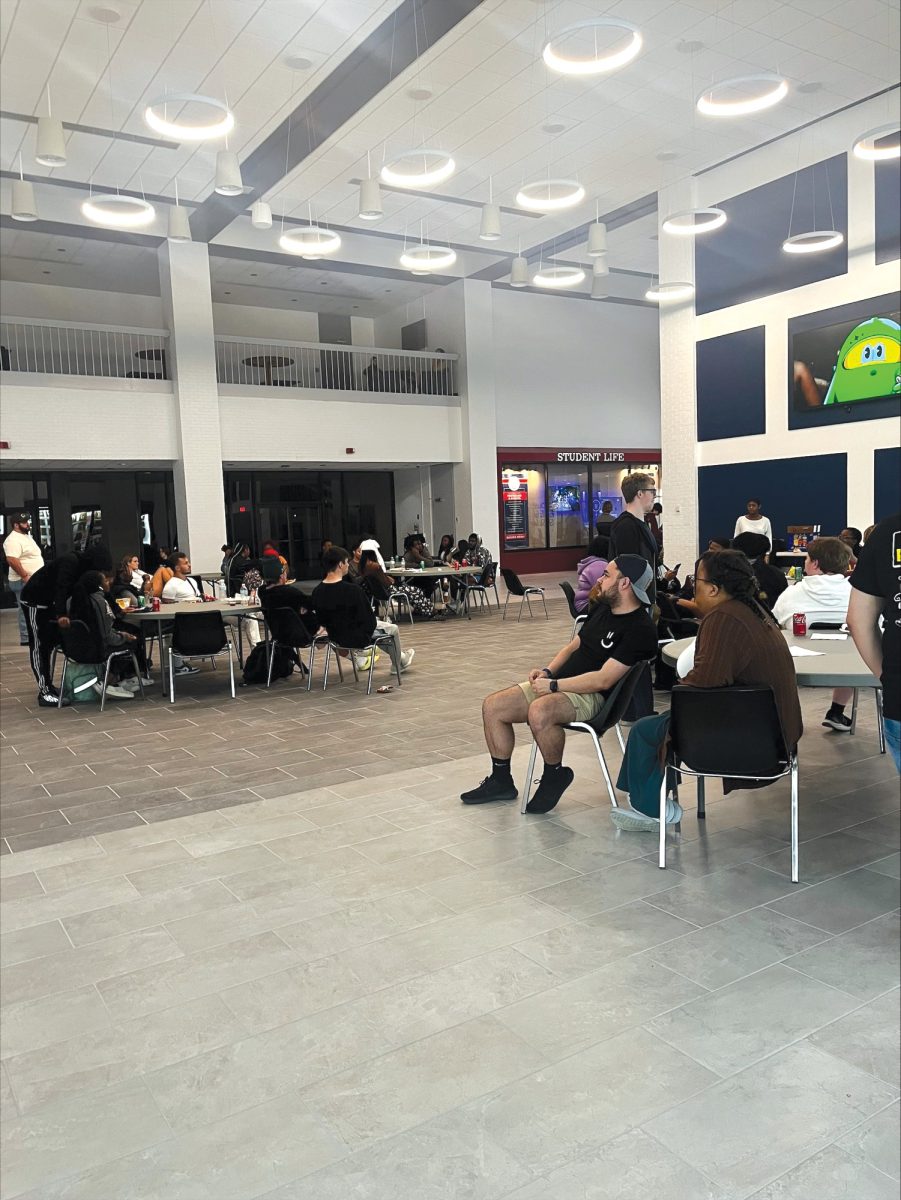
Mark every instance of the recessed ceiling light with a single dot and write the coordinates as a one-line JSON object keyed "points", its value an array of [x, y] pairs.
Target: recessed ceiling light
{"points": [[420, 94], [323, 283], [45, 272], [685, 47], [553, 127], [60, 249], [387, 290], [253, 274], [226, 293], [293, 301], [297, 62], [809, 89], [667, 156], [107, 13], [355, 306]]}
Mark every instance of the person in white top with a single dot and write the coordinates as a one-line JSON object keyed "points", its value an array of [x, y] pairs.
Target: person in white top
{"points": [[753, 521], [368, 542], [823, 595], [181, 586], [24, 558]]}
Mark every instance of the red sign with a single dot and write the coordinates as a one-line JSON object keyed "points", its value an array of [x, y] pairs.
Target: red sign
{"points": [[516, 509]]}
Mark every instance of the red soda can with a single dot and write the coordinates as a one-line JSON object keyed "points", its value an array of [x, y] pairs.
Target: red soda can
{"points": [[799, 624], [155, 606]]}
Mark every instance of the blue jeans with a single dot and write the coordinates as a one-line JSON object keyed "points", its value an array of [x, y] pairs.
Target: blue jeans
{"points": [[893, 740], [15, 586]]}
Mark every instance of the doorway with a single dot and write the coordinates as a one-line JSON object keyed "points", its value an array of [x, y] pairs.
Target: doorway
{"points": [[296, 529]]}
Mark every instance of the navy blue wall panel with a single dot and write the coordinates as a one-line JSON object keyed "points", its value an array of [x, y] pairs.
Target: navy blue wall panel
{"points": [[888, 211], [886, 482], [792, 491], [744, 260], [731, 385]]}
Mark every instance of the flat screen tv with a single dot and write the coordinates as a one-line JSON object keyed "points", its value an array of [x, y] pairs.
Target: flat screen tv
{"points": [[845, 363]]}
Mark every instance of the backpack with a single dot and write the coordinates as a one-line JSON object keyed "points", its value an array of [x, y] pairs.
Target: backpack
{"points": [[79, 680], [256, 666]]}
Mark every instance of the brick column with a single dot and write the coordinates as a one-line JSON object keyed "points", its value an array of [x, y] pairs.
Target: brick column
{"points": [[199, 491], [475, 478]]}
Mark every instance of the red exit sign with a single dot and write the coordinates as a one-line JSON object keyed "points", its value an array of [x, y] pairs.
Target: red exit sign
{"points": [[4, 445]]}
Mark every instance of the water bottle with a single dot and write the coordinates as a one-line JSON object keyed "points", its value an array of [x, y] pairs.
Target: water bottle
{"points": [[242, 594]]}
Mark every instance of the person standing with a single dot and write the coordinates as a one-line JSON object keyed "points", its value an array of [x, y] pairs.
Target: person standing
{"points": [[629, 534], [875, 592], [753, 521], [23, 556], [654, 521]]}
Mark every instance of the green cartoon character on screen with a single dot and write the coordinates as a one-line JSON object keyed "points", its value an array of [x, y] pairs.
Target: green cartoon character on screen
{"points": [[869, 363]]}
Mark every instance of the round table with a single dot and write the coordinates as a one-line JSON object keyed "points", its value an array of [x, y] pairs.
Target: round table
{"points": [[191, 607], [267, 363]]}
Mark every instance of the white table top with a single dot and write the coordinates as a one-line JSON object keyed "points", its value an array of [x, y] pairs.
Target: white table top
{"points": [[432, 572], [836, 664], [167, 611]]}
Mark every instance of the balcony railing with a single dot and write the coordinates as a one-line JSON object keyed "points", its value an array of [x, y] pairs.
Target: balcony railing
{"points": [[254, 362], [63, 348]]}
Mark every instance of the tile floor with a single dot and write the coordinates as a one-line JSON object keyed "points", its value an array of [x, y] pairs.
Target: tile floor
{"points": [[257, 950]]}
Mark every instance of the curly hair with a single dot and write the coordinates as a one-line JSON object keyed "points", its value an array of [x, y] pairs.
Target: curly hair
{"points": [[731, 571]]}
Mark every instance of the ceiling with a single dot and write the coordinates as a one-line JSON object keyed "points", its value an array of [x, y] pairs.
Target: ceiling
{"points": [[484, 95]]}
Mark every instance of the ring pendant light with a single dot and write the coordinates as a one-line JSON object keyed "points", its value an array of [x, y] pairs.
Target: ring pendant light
{"points": [[866, 145], [813, 241], [773, 88], [692, 221], [558, 277], [596, 64], [427, 168], [550, 195], [122, 212], [185, 132], [310, 241], [423, 259], [666, 292]]}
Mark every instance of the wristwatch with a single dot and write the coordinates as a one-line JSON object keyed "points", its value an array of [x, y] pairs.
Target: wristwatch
{"points": [[555, 686], [545, 671]]}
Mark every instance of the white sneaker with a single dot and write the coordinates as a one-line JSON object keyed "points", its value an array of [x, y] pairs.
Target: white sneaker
{"points": [[130, 685], [639, 822], [406, 657], [113, 692]]}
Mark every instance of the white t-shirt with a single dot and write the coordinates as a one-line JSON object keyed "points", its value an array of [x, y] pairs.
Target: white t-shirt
{"points": [[372, 544], [23, 547], [181, 589], [822, 597], [761, 525]]}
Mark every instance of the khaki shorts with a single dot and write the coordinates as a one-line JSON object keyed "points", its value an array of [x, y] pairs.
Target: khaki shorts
{"points": [[585, 706]]}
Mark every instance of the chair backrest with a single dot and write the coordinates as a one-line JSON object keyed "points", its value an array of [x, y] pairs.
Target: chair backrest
{"points": [[513, 582], [488, 576], [727, 731], [569, 592], [81, 644], [198, 633], [286, 627], [617, 700], [374, 588]]}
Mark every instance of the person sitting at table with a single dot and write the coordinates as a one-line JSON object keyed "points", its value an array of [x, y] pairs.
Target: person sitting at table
{"points": [[477, 555], [445, 547], [823, 595], [88, 604], [182, 586], [276, 592], [853, 539], [227, 552], [590, 569], [242, 561], [130, 580], [738, 644], [160, 578], [370, 570], [368, 542], [618, 634], [347, 614], [770, 580], [353, 566], [416, 555], [457, 585]]}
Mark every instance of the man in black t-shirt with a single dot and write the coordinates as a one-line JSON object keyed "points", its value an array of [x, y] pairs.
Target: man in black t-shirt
{"points": [[629, 534], [619, 632], [345, 612], [875, 591]]}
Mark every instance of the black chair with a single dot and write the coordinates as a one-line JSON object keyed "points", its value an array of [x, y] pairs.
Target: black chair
{"points": [[835, 626], [479, 587], [727, 733], [515, 587], [578, 618], [80, 645], [380, 595], [286, 629], [615, 705], [377, 643], [199, 635]]}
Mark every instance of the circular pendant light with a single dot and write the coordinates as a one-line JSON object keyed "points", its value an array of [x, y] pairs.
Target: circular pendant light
{"points": [[184, 132], [550, 195], [867, 146], [122, 212], [423, 259], [558, 277], [813, 241], [665, 292], [595, 64], [768, 90], [310, 241], [692, 221], [421, 168]]}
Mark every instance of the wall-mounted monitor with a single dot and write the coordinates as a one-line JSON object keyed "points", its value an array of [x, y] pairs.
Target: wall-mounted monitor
{"points": [[845, 364]]}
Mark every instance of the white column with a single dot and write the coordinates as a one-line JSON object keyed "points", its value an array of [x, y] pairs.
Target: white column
{"points": [[199, 491], [678, 388], [475, 478]]}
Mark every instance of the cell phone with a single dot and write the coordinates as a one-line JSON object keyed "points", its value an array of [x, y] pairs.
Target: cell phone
{"points": [[676, 568]]}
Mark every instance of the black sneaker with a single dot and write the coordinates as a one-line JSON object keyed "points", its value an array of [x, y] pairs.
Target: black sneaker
{"points": [[52, 702], [549, 791], [837, 721], [490, 789]]}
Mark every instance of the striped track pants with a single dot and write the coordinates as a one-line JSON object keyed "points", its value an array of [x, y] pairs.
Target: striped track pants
{"points": [[41, 640]]}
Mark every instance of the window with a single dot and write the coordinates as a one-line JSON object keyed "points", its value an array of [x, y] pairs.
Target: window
{"points": [[567, 506], [522, 488]]}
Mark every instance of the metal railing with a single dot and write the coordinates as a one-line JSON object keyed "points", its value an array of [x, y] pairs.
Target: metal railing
{"points": [[63, 348], [259, 363]]}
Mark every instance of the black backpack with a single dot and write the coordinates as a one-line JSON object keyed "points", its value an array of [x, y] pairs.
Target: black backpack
{"points": [[256, 666]]}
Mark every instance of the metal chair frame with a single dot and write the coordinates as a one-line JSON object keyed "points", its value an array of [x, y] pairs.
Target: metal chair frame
{"points": [[377, 643], [480, 589], [274, 641], [226, 648], [124, 652], [524, 595]]}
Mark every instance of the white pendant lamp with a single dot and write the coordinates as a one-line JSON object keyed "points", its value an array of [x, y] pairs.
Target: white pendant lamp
{"points": [[598, 288], [558, 277], [421, 168], [593, 64], [179, 228], [600, 268], [24, 207], [693, 221], [813, 241], [310, 241], [228, 174], [370, 200], [519, 272], [51, 143], [765, 91], [878, 144], [490, 227], [667, 293], [550, 195], [222, 123], [424, 258], [261, 215], [119, 212], [597, 239]]}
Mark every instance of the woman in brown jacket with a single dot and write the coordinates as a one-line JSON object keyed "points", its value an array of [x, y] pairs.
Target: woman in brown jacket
{"points": [[738, 644]]}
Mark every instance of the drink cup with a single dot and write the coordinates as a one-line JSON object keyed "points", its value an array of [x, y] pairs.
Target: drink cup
{"points": [[155, 605], [799, 625]]}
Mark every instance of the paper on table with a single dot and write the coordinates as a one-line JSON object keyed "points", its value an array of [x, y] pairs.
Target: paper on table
{"points": [[800, 652], [828, 637]]}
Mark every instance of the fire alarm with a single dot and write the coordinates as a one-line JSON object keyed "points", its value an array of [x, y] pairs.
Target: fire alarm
{"points": [[349, 450]]}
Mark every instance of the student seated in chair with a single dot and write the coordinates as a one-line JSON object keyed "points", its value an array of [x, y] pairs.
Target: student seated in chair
{"points": [[618, 633], [738, 643], [345, 611]]}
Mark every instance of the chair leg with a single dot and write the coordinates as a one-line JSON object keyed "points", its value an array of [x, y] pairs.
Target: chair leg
{"points": [[702, 811], [328, 658], [371, 669], [506, 602], [528, 785], [599, 750], [231, 669], [854, 712], [134, 662], [544, 602], [171, 677], [619, 737], [310, 666], [103, 685], [529, 602], [62, 682], [880, 719], [794, 779], [661, 850], [271, 656]]}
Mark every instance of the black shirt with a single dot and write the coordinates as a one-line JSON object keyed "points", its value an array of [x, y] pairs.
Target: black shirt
{"points": [[770, 580], [345, 612], [629, 639], [628, 535], [878, 573]]}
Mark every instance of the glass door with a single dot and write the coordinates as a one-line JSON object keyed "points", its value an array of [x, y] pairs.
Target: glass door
{"points": [[296, 530]]}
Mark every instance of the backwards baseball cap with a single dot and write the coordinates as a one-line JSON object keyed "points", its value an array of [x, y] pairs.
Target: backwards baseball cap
{"points": [[638, 572], [20, 518]]}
